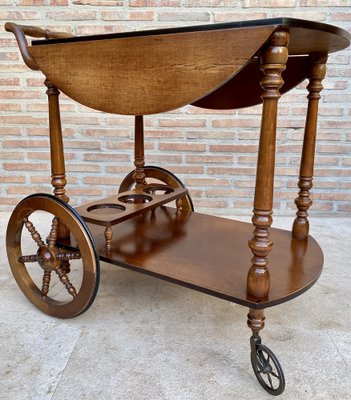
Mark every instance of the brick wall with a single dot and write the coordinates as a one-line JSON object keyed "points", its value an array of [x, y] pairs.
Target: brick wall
{"points": [[214, 153]]}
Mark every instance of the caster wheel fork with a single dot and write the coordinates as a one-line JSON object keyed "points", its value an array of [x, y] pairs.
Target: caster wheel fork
{"points": [[266, 366]]}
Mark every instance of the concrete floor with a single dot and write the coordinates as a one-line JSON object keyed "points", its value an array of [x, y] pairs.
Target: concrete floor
{"points": [[145, 339]]}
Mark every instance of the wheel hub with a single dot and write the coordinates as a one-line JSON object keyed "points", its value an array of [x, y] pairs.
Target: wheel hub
{"points": [[46, 258]]}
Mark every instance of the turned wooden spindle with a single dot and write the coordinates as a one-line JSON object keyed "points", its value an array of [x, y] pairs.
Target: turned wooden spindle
{"points": [[179, 204], [53, 233], [273, 61], [34, 233], [108, 237], [255, 320], [67, 283], [139, 158], [58, 172], [69, 256], [46, 283], [303, 202]]}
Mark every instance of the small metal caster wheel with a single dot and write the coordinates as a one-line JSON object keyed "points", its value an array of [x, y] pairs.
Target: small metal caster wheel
{"points": [[267, 369]]}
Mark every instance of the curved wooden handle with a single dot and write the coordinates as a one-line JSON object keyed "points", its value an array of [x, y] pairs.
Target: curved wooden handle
{"points": [[21, 31]]}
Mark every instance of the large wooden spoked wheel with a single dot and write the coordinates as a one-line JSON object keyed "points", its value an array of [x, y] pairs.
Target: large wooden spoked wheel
{"points": [[157, 174], [60, 281]]}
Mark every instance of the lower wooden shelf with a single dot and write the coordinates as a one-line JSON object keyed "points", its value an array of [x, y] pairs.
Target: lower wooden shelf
{"points": [[210, 254]]}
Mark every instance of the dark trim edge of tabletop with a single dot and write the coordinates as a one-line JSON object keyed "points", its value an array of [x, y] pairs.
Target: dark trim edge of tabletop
{"points": [[282, 22]]}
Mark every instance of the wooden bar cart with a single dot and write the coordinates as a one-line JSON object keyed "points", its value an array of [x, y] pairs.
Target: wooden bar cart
{"points": [[149, 225]]}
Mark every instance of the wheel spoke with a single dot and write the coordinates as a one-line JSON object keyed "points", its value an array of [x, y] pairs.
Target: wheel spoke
{"points": [[270, 380], [75, 255], [26, 259], [34, 233], [275, 375], [46, 283], [53, 233], [65, 280], [66, 267]]}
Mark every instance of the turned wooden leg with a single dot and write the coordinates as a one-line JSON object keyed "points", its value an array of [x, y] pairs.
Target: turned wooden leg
{"points": [[108, 237], [58, 173], [303, 201], [139, 160], [273, 61], [255, 320]]}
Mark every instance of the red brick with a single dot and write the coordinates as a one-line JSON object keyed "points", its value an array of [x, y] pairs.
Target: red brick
{"points": [[82, 144], [346, 207], [184, 16], [59, 3], [209, 159], [208, 3], [154, 3], [163, 158], [128, 145], [217, 204], [128, 16], [4, 131], [13, 68], [18, 144], [12, 179], [99, 30], [235, 123], [112, 3], [268, 3], [25, 166], [234, 148], [76, 15], [19, 94], [185, 122], [9, 201], [19, 15], [106, 157], [16, 120], [333, 148], [206, 182], [345, 185], [83, 167], [45, 155], [161, 134], [9, 81], [85, 192], [232, 171], [105, 133], [182, 147], [11, 155], [212, 134], [32, 2], [100, 180], [332, 172], [80, 120], [119, 169], [237, 16], [184, 169], [324, 3], [10, 107], [26, 190]]}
